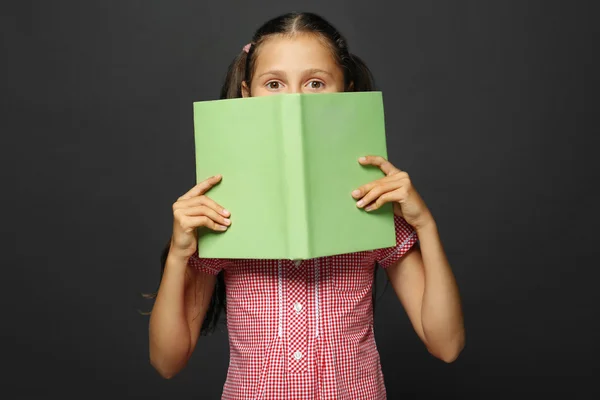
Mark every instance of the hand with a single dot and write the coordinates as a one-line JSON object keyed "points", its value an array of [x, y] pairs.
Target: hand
{"points": [[194, 210], [395, 187]]}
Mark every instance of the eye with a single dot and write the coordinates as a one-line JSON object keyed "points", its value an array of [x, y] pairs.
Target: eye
{"points": [[316, 85], [273, 85]]}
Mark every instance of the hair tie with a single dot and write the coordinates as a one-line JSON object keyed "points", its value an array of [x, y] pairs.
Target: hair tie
{"points": [[247, 47]]}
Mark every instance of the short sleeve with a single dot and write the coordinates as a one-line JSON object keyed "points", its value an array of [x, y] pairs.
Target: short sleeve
{"points": [[406, 237], [208, 265]]}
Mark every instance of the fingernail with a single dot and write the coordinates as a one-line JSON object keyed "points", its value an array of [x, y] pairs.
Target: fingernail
{"points": [[359, 203], [226, 212], [221, 227], [356, 193], [368, 208], [362, 159], [227, 221]]}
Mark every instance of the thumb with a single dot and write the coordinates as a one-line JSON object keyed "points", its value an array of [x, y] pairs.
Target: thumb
{"points": [[398, 209]]}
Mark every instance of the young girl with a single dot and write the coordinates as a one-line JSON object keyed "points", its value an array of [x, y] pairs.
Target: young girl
{"points": [[302, 330]]}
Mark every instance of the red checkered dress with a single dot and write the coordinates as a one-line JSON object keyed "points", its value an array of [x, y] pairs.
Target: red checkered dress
{"points": [[304, 330]]}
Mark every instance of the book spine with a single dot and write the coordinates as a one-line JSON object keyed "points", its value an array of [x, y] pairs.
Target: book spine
{"points": [[295, 176]]}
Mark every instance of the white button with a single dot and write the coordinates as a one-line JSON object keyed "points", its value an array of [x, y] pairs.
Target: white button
{"points": [[297, 355], [298, 262], [298, 307]]}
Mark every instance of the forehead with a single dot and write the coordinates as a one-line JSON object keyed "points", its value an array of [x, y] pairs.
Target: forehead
{"points": [[295, 53]]}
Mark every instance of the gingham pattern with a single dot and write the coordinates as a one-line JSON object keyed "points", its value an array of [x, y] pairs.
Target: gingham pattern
{"points": [[304, 330]]}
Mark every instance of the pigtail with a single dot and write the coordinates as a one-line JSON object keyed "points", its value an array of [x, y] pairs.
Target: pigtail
{"points": [[236, 73], [361, 78]]}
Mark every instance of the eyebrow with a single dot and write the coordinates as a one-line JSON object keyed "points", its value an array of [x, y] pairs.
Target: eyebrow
{"points": [[311, 71]]}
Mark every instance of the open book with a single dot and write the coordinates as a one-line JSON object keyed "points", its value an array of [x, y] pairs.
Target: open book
{"points": [[289, 164]]}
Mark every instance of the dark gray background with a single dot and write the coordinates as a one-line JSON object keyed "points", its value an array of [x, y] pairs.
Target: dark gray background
{"points": [[489, 108]]}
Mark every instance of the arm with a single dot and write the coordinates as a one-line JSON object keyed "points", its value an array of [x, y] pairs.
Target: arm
{"points": [[181, 303], [422, 278], [425, 285], [187, 285]]}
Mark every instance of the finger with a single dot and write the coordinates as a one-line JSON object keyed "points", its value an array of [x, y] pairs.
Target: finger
{"points": [[361, 191], [387, 197], [384, 165], [203, 200], [208, 212], [197, 222], [376, 192], [202, 187]]}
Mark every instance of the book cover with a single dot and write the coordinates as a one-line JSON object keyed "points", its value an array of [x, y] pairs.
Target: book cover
{"points": [[289, 163]]}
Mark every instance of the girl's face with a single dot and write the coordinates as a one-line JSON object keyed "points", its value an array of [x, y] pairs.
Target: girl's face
{"points": [[300, 64]]}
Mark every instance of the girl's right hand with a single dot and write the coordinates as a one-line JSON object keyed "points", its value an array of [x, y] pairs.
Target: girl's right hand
{"points": [[195, 210]]}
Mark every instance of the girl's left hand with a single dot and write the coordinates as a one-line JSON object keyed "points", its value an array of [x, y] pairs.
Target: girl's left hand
{"points": [[395, 187]]}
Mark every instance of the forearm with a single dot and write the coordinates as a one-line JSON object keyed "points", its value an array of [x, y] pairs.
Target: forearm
{"points": [[441, 311], [170, 337]]}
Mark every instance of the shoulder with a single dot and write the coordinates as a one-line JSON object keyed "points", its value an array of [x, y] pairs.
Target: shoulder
{"points": [[406, 237]]}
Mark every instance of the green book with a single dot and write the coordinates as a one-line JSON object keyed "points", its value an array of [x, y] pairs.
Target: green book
{"points": [[289, 164]]}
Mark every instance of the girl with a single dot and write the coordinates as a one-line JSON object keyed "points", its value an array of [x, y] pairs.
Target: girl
{"points": [[302, 330]]}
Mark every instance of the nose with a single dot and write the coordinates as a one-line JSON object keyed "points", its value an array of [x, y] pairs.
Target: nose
{"points": [[294, 89]]}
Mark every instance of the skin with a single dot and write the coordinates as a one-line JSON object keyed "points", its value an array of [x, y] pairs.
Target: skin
{"points": [[422, 279]]}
